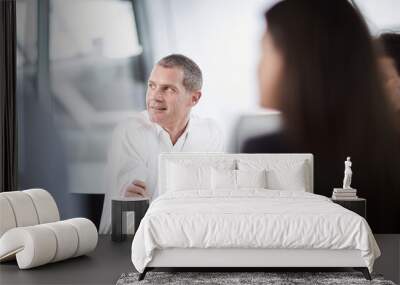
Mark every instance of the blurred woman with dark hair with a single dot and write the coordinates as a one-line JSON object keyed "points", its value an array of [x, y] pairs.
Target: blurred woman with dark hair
{"points": [[319, 68], [389, 60], [391, 45]]}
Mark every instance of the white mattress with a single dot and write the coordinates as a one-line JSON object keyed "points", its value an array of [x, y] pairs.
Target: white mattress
{"points": [[251, 218]]}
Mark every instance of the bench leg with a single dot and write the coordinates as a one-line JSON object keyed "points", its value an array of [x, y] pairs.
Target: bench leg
{"points": [[364, 271]]}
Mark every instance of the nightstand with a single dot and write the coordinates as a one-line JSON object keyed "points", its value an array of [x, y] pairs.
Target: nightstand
{"points": [[358, 205], [119, 205]]}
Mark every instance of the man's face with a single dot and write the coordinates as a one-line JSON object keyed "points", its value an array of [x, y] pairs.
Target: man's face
{"points": [[167, 100]]}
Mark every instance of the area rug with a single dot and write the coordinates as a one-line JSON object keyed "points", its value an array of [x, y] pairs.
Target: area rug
{"points": [[273, 278]]}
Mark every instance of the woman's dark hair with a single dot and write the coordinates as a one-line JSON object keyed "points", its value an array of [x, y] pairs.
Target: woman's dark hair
{"points": [[331, 90], [332, 96], [391, 47]]}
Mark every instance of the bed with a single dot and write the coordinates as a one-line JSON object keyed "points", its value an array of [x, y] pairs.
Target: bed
{"points": [[245, 211]]}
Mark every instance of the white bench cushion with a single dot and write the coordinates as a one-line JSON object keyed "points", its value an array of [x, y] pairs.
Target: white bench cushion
{"points": [[7, 220], [23, 208], [26, 208], [46, 207], [40, 244]]}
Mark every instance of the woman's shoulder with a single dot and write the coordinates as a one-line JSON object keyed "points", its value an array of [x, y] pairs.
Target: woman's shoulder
{"points": [[268, 143]]}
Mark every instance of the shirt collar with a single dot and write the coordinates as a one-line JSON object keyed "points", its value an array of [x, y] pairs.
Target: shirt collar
{"points": [[160, 130]]}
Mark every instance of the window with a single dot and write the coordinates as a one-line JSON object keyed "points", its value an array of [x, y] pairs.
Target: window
{"points": [[93, 46], [80, 71]]}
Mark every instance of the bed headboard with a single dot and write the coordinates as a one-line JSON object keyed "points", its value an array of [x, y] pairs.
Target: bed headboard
{"points": [[235, 160]]}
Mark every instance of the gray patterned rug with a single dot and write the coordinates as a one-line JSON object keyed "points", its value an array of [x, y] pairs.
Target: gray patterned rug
{"points": [[228, 278]]}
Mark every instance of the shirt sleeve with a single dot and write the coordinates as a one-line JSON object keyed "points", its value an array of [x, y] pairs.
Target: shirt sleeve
{"points": [[217, 138], [125, 161], [125, 164]]}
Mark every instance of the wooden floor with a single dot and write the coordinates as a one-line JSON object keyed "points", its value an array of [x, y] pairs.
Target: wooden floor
{"points": [[110, 260]]}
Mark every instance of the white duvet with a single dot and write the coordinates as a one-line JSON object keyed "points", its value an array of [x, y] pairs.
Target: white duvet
{"points": [[251, 218]]}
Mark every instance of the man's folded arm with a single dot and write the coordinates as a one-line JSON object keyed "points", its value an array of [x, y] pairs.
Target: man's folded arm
{"points": [[126, 163]]}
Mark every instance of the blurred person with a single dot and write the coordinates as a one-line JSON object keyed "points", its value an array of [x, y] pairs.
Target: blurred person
{"points": [[389, 60], [391, 45], [319, 68], [174, 88]]}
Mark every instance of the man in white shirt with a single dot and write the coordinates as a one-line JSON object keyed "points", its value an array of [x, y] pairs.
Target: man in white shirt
{"points": [[174, 87]]}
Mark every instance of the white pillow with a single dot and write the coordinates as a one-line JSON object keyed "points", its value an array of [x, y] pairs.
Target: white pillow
{"points": [[281, 174], [293, 178], [236, 179], [251, 178], [223, 179], [181, 177]]}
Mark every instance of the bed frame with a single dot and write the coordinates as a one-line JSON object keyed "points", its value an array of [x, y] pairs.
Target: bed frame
{"points": [[242, 259]]}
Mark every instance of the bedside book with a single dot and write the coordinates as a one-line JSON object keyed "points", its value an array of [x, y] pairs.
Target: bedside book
{"points": [[341, 190], [344, 194], [335, 197]]}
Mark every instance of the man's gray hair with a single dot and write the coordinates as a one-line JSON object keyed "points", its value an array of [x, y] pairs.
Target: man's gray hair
{"points": [[192, 76]]}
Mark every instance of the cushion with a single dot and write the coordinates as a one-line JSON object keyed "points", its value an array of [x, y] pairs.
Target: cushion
{"points": [[197, 165], [288, 175], [251, 178], [182, 177], [23, 208], [26, 208], [32, 246], [87, 233], [7, 220], [45, 206], [226, 179], [223, 179], [67, 237]]}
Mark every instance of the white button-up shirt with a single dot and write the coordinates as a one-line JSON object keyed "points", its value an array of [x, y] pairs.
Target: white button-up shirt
{"points": [[135, 147]]}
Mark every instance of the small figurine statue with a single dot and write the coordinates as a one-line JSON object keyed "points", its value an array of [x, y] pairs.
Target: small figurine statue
{"points": [[347, 174]]}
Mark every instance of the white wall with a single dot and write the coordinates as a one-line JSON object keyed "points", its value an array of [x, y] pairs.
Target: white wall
{"points": [[381, 15]]}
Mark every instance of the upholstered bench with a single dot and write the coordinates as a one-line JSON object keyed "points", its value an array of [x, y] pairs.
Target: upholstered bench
{"points": [[31, 231]]}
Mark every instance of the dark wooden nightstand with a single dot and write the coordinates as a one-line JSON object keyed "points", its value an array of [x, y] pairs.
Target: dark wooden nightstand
{"points": [[358, 205], [120, 205]]}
